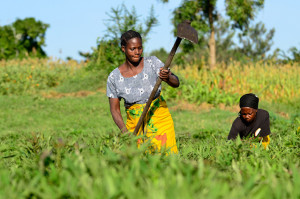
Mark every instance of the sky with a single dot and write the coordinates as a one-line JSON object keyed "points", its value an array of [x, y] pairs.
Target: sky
{"points": [[75, 25]]}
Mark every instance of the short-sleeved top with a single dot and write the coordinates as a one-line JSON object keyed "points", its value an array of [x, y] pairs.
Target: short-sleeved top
{"points": [[241, 128], [136, 89]]}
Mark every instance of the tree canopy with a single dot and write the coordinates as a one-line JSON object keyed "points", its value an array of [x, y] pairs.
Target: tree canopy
{"points": [[108, 52], [256, 42], [204, 14], [24, 37]]}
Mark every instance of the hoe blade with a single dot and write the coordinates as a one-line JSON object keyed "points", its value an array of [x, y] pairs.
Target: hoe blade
{"points": [[186, 31]]}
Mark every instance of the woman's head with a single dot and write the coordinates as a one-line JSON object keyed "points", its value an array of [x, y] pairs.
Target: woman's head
{"points": [[130, 34], [131, 45], [249, 106]]}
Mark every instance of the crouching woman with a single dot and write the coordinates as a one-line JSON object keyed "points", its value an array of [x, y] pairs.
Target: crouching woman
{"points": [[251, 122]]}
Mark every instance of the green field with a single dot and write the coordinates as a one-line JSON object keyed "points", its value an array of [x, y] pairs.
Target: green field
{"points": [[69, 147], [61, 142]]}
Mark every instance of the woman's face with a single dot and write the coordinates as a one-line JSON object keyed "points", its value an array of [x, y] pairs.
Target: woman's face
{"points": [[248, 114], [133, 49]]}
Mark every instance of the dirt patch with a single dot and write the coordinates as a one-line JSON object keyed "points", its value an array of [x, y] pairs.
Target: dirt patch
{"points": [[234, 109], [101, 90], [203, 107], [183, 105], [283, 114], [54, 94]]}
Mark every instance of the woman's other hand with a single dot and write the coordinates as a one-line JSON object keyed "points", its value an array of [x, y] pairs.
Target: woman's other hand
{"points": [[167, 76], [164, 74]]}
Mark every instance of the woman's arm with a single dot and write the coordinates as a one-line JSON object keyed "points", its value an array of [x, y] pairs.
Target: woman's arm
{"points": [[168, 77], [116, 114], [234, 132]]}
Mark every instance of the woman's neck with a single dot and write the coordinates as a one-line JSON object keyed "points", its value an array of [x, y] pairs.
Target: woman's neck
{"points": [[132, 65], [130, 69]]}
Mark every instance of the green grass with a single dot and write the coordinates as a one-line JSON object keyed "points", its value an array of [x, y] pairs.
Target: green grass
{"points": [[39, 114], [83, 80], [91, 113], [69, 147], [56, 143]]}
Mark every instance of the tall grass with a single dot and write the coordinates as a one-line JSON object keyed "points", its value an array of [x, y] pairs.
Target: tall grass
{"points": [[30, 75], [225, 84]]}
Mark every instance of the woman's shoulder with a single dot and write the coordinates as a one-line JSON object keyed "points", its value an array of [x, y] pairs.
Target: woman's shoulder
{"points": [[263, 113], [238, 121], [153, 63], [152, 59], [114, 73], [238, 124]]}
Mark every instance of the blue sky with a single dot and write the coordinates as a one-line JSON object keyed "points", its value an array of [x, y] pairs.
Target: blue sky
{"points": [[75, 25]]}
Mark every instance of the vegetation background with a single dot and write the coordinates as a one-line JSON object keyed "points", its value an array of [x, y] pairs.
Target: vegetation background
{"points": [[58, 139]]}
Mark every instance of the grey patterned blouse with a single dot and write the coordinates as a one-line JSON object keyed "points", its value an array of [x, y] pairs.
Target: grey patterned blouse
{"points": [[136, 89]]}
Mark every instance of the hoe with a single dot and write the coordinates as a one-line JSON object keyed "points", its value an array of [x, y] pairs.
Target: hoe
{"points": [[184, 31]]}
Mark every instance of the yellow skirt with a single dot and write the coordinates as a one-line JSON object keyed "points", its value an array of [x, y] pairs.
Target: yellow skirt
{"points": [[266, 141], [158, 125]]}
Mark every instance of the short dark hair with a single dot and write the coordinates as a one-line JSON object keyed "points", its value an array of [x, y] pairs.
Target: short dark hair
{"points": [[126, 36]]}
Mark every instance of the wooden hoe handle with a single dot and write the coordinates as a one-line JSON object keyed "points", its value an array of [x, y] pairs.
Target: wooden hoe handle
{"points": [[158, 82]]}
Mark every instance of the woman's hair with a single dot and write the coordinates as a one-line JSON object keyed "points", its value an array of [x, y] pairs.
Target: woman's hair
{"points": [[249, 100], [126, 36]]}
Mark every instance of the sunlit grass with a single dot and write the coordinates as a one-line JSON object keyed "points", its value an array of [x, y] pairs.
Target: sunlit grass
{"points": [[58, 140], [69, 147], [272, 83], [29, 76]]}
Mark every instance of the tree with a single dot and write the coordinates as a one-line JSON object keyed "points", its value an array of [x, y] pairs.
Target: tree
{"points": [[8, 43], [295, 55], [23, 38], [203, 14], [108, 52], [160, 53], [256, 42], [121, 19], [199, 54], [224, 40]]}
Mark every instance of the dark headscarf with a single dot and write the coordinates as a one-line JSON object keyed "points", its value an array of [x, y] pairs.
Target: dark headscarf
{"points": [[249, 100]]}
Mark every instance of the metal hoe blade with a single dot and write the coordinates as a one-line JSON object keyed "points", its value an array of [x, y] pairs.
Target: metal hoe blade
{"points": [[185, 31]]}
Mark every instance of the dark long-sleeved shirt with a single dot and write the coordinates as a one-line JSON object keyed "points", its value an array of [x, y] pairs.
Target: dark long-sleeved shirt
{"points": [[244, 129]]}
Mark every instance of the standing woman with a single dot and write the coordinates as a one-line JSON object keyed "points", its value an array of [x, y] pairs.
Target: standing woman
{"points": [[252, 122], [133, 81]]}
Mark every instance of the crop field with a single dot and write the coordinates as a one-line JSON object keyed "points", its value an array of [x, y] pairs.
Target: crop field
{"points": [[58, 139]]}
